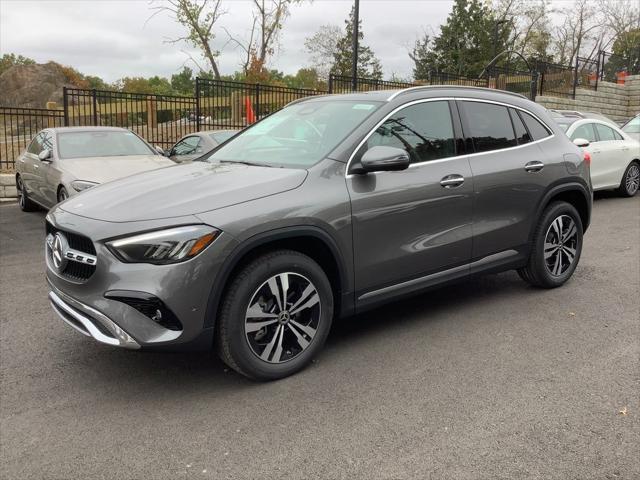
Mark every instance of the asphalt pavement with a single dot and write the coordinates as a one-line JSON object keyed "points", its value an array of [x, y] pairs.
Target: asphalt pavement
{"points": [[486, 379]]}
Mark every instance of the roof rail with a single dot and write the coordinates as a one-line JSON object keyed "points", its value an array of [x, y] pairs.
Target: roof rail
{"points": [[449, 87]]}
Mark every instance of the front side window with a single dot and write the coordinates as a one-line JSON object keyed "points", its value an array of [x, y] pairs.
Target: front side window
{"points": [[35, 146], [297, 136], [105, 143], [605, 133], [424, 131], [186, 146], [584, 131], [489, 126]]}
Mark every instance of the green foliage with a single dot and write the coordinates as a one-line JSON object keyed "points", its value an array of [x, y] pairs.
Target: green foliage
{"points": [[368, 64], [465, 44], [423, 58], [183, 83], [626, 55], [8, 60]]}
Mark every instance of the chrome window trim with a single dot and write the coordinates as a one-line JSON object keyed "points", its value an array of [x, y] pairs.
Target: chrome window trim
{"points": [[468, 155]]}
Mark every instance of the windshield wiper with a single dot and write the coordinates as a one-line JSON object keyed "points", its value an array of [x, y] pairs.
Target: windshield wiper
{"points": [[242, 162]]}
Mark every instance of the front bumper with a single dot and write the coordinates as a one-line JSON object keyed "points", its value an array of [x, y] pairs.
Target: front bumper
{"points": [[89, 321], [184, 288]]}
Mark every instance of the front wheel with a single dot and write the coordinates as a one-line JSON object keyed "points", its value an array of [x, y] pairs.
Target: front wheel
{"points": [[275, 316], [630, 180], [25, 203], [556, 249]]}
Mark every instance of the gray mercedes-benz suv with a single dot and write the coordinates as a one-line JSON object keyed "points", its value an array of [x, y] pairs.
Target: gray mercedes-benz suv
{"points": [[331, 206]]}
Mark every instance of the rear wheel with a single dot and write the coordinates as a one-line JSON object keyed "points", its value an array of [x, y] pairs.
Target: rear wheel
{"points": [[630, 180], [557, 245], [26, 205], [275, 316]]}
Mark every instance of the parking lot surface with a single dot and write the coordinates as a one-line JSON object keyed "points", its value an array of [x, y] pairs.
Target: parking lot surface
{"points": [[488, 378]]}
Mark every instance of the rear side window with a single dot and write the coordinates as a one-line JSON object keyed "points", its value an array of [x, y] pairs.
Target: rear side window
{"points": [[537, 130], [584, 131], [522, 136], [489, 126], [605, 133], [424, 131]]}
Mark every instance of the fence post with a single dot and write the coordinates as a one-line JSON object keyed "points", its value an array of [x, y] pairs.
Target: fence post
{"points": [[65, 105], [197, 104], [95, 108], [575, 79], [534, 85], [257, 113]]}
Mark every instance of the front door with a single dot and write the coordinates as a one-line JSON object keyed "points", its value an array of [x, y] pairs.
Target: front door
{"points": [[410, 224]]}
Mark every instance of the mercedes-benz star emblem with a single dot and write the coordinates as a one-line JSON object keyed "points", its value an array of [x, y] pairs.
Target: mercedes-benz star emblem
{"points": [[59, 252]]}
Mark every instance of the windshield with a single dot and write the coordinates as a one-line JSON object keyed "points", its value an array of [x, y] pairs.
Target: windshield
{"points": [[223, 136], [297, 136], [100, 144], [632, 126]]}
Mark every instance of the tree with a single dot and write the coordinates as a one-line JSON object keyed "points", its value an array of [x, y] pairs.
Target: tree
{"points": [[582, 27], [8, 60], [183, 82], [322, 47], [199, 18], [268, 20], [465, 44], [368, 64], [423, 58], [626, 55]]}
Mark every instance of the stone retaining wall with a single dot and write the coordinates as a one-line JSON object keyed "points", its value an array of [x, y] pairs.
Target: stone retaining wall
{"points": [[618, 102], [7, 186]]}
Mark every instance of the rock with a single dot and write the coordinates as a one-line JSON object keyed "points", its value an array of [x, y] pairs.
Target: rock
{"points": [[33, 85]]}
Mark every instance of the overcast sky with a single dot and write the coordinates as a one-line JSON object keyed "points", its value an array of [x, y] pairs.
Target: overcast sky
{"points": [[113, 39]]}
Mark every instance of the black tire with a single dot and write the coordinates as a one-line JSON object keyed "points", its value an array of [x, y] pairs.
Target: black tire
{"points": [[240, 349], [25, 203], [630, 183], [62, 194], [550, 272]]}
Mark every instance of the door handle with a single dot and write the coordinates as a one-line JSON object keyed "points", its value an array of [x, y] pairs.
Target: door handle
{"points": [[534, 166], [35, 167], [452, 181]]}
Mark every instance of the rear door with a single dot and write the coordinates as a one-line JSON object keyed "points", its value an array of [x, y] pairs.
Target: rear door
{"points": [[614, 157], [410, 224], [510, 174]]}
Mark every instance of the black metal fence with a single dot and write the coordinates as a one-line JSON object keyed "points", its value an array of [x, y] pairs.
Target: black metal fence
{"points": [[160, 119], [444, 78], [612, 65], [224, 104], [504, 78], [587, 73], [18, 126], [555, 79], [342, 84]]}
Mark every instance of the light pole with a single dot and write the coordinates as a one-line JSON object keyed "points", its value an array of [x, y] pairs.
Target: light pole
{"points": [[495, 36], [354, 57]]}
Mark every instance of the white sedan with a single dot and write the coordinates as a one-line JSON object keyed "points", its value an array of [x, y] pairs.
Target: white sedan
{"points": [[615, 155]]}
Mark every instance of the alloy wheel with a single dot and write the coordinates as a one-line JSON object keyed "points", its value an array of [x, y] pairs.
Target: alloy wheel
{"points": [[632, 182], [560, 245], [282, 317]]}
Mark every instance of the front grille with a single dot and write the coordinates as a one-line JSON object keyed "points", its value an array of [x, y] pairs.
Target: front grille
{"points": [[76, 271]]}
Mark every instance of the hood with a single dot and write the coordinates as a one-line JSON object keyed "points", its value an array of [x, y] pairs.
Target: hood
{"points": [[181, 190], [106, 169]]}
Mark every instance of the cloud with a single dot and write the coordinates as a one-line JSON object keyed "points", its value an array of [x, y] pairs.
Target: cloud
{"points": [[116, 38]]}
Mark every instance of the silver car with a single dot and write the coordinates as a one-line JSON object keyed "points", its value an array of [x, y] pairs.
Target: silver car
{"points": [[60, 162], [632, 127], [195, 145]]}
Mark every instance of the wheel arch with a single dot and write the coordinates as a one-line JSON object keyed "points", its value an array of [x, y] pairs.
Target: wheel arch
{"points": [[573, 193], [309, 240]]}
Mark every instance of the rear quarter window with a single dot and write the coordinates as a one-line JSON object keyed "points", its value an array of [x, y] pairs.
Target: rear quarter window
{"points": [[536, 129]]}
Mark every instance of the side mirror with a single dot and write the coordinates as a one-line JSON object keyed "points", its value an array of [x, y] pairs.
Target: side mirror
{"points": [[385, 159], [581, 142], [161, 151], [45, 155]]}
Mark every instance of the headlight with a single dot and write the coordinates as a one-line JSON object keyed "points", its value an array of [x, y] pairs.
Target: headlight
{"points": [[80, 185], [164, 246]]}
